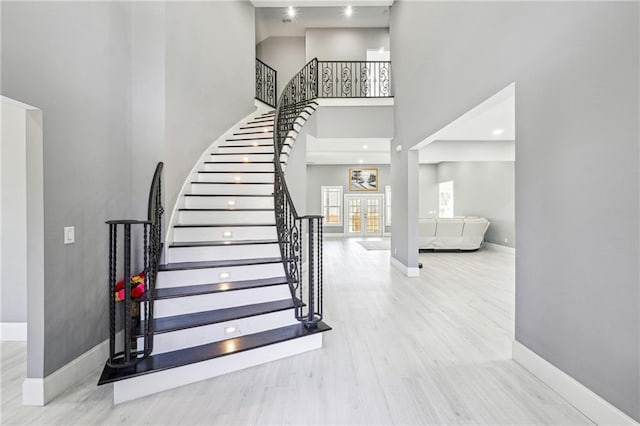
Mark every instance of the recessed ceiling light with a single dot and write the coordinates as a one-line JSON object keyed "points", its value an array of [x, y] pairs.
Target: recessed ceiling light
{"points": [[498, 132], [227, 234], [224, 275], [229, 330], [348, 11], [231, 203], [365, 146], [291, 12], [360, 161]]}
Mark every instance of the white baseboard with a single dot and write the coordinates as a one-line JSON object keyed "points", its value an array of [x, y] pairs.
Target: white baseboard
{"points": [[409, 272], [13, 331], [39, 392], [498, 247], [591, 405]]}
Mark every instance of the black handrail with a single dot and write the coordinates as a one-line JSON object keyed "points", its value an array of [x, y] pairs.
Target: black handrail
{"points": [[137, 315], [291, 227], [266, 83]]}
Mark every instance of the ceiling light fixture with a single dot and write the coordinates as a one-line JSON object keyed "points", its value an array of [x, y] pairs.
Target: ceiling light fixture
{"points": [[498, 132], [360, 161], [365, 146], [348, 11], [291, 12]]}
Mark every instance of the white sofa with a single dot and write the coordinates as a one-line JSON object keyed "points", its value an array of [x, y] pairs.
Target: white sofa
{"points": [[458, 233]]}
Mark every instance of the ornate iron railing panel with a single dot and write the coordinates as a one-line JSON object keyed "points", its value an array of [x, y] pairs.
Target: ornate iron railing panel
{"points": [[266, 83], [355, 79], [135, 313]]}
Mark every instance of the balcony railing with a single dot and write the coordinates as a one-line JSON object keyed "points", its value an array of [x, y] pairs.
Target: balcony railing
{"points": [[266, 83], [354, 79]]}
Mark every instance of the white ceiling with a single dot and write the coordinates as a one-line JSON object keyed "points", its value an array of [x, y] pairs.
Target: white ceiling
{"points": [[273, 21], [486, 132]]}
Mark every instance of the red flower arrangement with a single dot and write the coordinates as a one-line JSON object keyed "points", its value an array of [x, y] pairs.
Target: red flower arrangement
{"points": [[137, 287]]}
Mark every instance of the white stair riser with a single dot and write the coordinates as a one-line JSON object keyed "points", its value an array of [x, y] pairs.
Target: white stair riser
{"points": [[203, 254], [227, 299], [181, 339], [242, 157], [198, 217], [223, 202], [247, 188], [212, 275], [218, 233], [148, 384], [239, 167], [235, 177], [251, 148]]}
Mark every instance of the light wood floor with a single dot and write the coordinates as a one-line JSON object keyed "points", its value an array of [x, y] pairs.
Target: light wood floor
{"points": [[428, 350]]}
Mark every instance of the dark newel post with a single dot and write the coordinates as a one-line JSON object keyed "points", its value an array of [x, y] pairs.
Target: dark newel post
{"points": [[113, 243], [311, 322], [127, 292]]}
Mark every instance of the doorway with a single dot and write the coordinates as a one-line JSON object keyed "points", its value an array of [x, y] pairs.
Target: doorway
{"points": [[364, 215]]}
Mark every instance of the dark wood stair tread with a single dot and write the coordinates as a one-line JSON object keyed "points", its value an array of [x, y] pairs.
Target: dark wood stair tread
{"points": [[194, 290], [230, 172], [222, 225], [184, 266], [249, 139], [231, 183], [221, 243], [228, 195], [209, 351], [225, 210]]}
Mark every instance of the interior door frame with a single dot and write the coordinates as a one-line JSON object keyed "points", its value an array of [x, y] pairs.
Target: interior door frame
{"points": [[362, 233]]}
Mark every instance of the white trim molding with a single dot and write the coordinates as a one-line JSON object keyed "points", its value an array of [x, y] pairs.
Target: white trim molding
{"points": [[585, 400], [408, 271], [13, 331], [498, 247], [41, 391]]}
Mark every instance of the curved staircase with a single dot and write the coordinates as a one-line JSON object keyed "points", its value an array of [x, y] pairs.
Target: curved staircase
{"points": [[222, 301]]}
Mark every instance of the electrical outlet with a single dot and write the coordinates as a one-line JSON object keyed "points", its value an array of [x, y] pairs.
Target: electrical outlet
{"points": [[69, 234]]}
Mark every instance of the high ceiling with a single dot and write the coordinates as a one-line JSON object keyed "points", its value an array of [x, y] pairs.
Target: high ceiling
{"points": [[273, 21]]}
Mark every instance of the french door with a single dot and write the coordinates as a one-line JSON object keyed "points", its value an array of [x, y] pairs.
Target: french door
{"points": [[363, 214]]}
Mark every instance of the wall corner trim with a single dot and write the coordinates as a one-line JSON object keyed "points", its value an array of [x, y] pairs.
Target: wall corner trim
{"points": [[13, 332], [41, 391], [585, 400], [408, 271]]}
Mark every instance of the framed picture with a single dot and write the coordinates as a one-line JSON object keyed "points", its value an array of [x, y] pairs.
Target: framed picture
{"points": [[363, 179]]}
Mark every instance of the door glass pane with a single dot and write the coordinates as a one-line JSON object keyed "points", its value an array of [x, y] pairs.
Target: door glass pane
{"points": [[373, 215], [355, 215]]}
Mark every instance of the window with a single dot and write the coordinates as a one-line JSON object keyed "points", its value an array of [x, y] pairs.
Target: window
{"points": [[445, 191], [332, 205], [387, 205]]}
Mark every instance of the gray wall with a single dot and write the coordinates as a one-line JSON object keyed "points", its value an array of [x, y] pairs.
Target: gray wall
{"points": [[484, 189], [296, 169], [355, 122], [338, 175], [210, 79], [284, 54], [345, 44], [72, 61], [121, 86], [576, 71], [428, 196]]}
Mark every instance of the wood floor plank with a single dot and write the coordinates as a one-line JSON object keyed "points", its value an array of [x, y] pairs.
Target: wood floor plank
{"points": [[428, 350]]}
